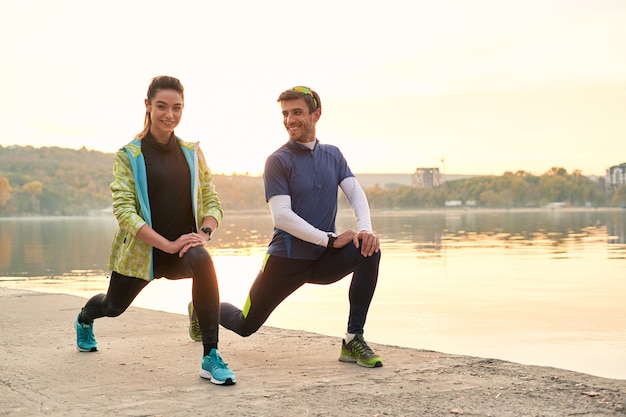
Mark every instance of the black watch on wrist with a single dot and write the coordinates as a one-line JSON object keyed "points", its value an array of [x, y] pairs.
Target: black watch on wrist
{"points": [[207, 230], [331, 239]]}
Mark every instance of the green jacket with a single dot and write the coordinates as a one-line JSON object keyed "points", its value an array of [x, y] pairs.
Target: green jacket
{"points": [[131, 207]]}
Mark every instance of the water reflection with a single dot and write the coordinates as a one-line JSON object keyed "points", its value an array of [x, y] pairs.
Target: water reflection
{"points": [[54, 246], [78, 246]]}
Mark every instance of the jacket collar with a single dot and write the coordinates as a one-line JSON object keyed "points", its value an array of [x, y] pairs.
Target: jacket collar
{"points": [[298, 147]]}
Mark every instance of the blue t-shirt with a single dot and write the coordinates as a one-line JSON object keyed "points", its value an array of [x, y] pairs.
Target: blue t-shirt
{"points": [[311, 178]]}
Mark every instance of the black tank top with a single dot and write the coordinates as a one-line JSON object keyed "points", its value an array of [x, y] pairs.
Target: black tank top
{"points": [[169, 189]]}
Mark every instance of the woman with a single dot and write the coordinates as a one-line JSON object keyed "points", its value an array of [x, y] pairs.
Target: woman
{"points": [[166, 207]]}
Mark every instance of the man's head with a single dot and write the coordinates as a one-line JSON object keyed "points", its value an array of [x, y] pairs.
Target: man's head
{"points": [[301, 108], [311, 98]]}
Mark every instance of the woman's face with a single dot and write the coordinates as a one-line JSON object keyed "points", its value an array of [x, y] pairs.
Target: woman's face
{"points": [[165, 111]]}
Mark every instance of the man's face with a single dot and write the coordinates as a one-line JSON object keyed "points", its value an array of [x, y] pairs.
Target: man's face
{"points": [[300, 124]]}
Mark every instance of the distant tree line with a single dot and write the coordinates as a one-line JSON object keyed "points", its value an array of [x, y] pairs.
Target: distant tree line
{"points": [[55, 181], [511, 190]]}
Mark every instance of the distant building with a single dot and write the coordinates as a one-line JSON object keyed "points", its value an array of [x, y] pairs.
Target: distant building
{"points": [[386, 181], [615, 176], [427, 178]]}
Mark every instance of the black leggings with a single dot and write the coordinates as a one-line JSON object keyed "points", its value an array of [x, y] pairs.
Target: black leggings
{"points": [[282, 276], [196, 263]]}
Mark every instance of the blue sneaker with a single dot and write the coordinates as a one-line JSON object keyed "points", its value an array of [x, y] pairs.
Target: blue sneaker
{"points": [[85, 340], [215, 370]]}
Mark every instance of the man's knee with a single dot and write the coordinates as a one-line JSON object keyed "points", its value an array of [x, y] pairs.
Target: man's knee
{"points": [[375, 256], [245, 332], [373, 259], [232, 318]]}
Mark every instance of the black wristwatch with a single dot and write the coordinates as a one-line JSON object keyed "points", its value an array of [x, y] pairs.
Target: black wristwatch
{"points": [[207, 230], [331, 239]]}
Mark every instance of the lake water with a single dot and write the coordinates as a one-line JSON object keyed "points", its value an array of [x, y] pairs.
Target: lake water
{"points": [[540, 287]]}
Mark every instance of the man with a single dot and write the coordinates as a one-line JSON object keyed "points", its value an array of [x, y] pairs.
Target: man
{"points": [[301, 180]]}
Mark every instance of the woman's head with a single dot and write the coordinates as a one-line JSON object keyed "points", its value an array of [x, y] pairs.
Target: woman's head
{"points": [[164, 103]]}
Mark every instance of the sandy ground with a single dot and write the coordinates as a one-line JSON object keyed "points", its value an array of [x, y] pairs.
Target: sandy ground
{"points": [[148, 366]]}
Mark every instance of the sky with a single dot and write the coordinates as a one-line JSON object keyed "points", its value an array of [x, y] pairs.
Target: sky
{"points": [[471, 87]]}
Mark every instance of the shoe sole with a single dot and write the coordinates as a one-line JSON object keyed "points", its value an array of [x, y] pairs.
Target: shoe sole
{"points": [[366, 365], [347, 358], [207, 375], [93, 349], [352, 359]]}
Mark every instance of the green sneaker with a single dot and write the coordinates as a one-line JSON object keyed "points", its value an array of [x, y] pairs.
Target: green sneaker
{"points": [[194, 325], [358, 351]]}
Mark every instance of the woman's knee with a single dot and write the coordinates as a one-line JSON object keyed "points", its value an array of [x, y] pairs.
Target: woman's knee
{"points": [[114, 310], [198, 256]]}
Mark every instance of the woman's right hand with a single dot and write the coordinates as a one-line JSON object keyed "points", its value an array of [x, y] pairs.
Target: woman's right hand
{"points": [[180, 245]]}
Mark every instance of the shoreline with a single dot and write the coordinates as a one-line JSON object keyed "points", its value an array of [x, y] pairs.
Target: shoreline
{"points": [[462, 210], [347, 210], [147, 365], [496, 340]]}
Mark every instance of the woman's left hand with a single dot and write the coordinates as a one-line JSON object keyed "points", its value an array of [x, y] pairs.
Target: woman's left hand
{"points": [[188, 241]]}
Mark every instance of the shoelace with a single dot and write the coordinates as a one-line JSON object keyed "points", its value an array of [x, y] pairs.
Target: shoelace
{"points": [[195, 326], [217, 362], [85, 335], [361, 347]]}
